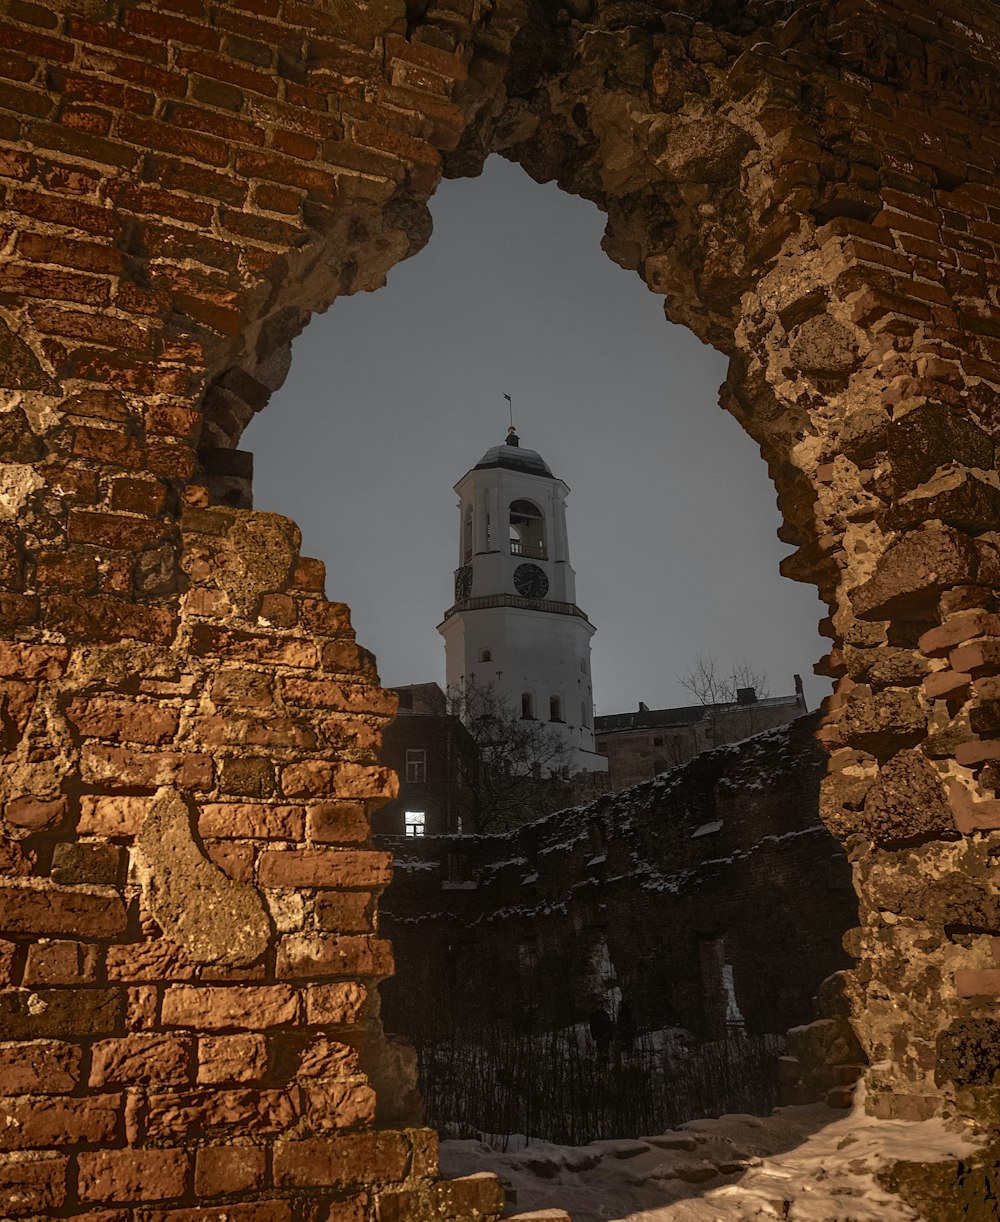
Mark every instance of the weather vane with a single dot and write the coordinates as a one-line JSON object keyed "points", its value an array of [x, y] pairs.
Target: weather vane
{"points": [[510, 407]]}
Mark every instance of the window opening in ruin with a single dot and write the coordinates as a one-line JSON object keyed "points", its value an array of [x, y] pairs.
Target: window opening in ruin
{"points": [[495, 300], [655, 460], [555, 708], [416, 765]]}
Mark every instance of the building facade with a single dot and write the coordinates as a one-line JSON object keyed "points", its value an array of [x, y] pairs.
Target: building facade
{"points": [[432, 754], [514, 625], [640, 745]]}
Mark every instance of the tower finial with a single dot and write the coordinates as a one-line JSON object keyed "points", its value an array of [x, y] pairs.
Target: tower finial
{"points": [[512, 437]]}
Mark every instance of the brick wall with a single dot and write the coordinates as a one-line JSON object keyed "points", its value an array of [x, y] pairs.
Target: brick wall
{"points": [[728, 849], [811, 187]]}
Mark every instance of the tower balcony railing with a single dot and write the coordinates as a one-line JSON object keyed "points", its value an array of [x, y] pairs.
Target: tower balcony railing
{"points": [[514, 600], [535, 550]]}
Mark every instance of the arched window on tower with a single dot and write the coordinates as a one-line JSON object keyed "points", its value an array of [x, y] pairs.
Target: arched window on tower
{"points": [[527, 530], [555, 709], [467, 537], [485, 655], [527, 706]]}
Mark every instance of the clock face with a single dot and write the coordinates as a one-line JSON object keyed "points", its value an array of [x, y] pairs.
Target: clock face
{"points": [[463, 583], [530, 581]]}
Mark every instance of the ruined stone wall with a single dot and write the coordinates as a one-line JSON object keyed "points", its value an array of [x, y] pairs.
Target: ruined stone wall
{"points": [[812, 187], [624, 901]]}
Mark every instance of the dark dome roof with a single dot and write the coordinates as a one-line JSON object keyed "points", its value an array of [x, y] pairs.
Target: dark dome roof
{"points": [[515, 457]]}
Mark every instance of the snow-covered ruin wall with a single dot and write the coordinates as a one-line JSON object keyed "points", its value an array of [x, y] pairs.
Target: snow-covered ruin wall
{"points": [[711, 894]]}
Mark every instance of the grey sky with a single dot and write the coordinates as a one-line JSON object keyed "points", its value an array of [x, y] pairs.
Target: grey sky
{"points": [[393, 395]]}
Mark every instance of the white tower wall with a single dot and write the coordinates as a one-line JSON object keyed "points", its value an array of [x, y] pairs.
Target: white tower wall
{"points": [[530, 642]]}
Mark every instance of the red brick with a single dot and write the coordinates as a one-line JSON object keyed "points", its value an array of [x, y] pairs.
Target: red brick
{"points": [[309, 574], [143, 496], [124, 768], [115, 815], [70, 213], [982, 983], [241, 1112], [41, 908], [231, 1058], [36, 1123], [310, 955], [34, 1186], [207, 640], [142, 1060], [60, 963], [157, 960], [225, 1169], [32, 661], [255, 1211], [970, 815], [234, 860], [65, 252], [122, 720], [326, 1058], [167, 28], [165, 137], [132, 1175], [945, 683], [338, 1105], [37, 46], [334, 1004], [253, 1007], [977, 657], [40, 1067], [342, 697], [345, 656], [315, 778], [95, 328], [35, 814], [325, 868], [219, 68], [107, 445], [30, 281], [105, 36], [239, 820], [66, 569], [977, 751], [15, 165], [171, 420], [344, 911], [337, 822], [107, 618], [341, 1160]]}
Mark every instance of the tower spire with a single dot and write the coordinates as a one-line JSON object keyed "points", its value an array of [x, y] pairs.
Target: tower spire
{"points": [[512, 438]]}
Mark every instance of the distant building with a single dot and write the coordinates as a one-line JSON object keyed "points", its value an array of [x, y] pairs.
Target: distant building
{"points": [[432, 753], [643, 744]]}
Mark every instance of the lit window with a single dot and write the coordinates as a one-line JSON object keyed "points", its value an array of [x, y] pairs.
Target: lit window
{"points": [[555, 709], [414, 822], [416, 766]]}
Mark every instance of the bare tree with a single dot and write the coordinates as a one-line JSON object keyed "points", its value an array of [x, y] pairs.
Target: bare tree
{"points": [[517, 775], [719, 694]]}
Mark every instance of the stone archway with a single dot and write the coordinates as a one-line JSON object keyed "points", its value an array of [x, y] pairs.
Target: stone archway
{"points": [[188, 724]]}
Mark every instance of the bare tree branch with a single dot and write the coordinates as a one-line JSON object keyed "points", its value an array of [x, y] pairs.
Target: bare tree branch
{"points": [[520, 761]]}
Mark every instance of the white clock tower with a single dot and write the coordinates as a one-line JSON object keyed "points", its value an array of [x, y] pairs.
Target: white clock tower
{"points": [[515, 624]]}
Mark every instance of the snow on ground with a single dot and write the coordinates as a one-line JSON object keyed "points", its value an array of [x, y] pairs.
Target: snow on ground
{"points": [[801, 1164]]}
